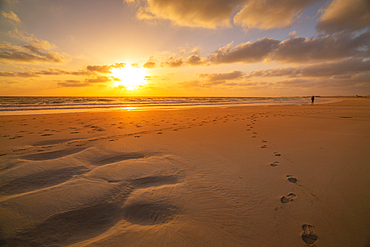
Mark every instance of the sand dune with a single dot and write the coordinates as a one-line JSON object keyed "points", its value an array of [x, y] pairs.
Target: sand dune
{"points": [[244, 176], [40, 180]]}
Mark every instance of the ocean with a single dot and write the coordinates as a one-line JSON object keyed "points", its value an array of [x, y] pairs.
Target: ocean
{"points": [[48, 105]]}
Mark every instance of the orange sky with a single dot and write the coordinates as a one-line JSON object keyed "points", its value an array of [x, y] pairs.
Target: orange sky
{"points": [[184, 47]]}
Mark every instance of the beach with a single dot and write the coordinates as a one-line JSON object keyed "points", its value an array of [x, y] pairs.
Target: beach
{"points": [[219, 176]]}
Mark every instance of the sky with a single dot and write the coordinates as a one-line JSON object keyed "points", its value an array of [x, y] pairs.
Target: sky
{"points": [[239, 48]]}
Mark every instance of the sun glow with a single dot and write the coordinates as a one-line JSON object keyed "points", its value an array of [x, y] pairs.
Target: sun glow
{"points": [[129, 77]]}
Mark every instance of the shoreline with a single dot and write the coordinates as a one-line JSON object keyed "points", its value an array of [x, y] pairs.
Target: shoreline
{"points": [[240, 176], [143, 107]]}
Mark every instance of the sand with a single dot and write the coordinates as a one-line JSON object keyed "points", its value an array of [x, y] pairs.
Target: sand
{"points": [[239, 176]]}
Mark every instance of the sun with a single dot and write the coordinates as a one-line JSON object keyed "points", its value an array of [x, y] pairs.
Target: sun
{"points": [[130, 77]]}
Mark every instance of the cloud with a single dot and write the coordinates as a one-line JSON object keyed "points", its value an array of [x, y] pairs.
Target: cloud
{"points": [[173, 62], [118, 65], [345, 15], [31, 39], [352, 85], [245, 53], [90, 70], [73, 83], [321, 48], [149, 65], [104, 68], [215, 77], [351, 72], [196, 51], [346, 68], [196, 60], [276, 72], [296, 49], [191, 83], [192, 13], [11, 16], [50, 71], [98, 79], [55, 71], [176, 62], [28, 54], [296, 82], [99, 68], [17, 74], [9, 1], [269, 14], [339, 15], [266, 14], [292, 34], [35, 51]]}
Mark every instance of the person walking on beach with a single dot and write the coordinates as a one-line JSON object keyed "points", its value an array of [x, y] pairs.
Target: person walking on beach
{"points": [[312, 99]]}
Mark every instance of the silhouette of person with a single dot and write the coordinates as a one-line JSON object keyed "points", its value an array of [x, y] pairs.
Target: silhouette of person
{"points": [[312, 99]]}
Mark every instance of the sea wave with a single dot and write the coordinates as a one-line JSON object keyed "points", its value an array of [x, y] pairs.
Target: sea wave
{"points": [[44, 105]]}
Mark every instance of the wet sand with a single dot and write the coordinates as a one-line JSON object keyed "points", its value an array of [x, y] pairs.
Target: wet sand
{"points": [[239, 176]]}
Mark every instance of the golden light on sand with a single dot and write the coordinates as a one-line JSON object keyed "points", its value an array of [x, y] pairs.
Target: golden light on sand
{"points": [[130, 77]]}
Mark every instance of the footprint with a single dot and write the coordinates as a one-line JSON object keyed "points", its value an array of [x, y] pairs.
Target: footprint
{"points": [[289, 198], [264, 146], [308, 235], [277, 154], [276, 163], [15, 137], [46, 134], [291, 179]]}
